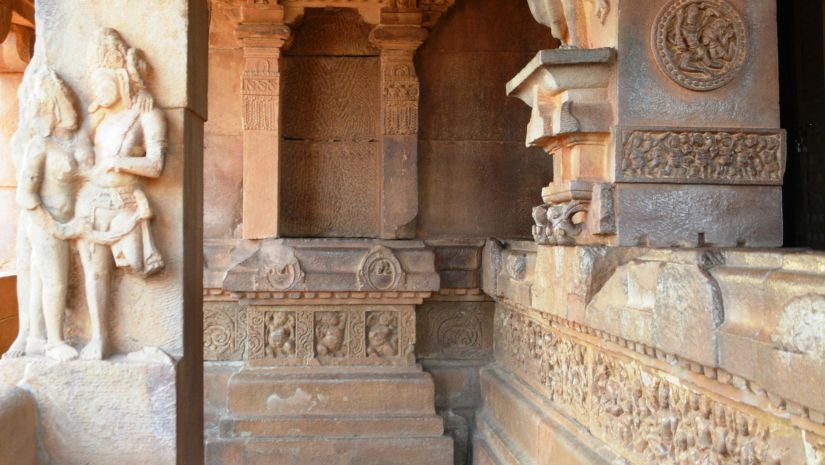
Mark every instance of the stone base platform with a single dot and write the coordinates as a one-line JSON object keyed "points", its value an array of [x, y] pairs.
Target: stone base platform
{"points": [[517, 426], [330, 415]]}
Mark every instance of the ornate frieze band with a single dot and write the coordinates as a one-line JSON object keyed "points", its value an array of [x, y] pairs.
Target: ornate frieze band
{"points": [[700, 44], [647, 416], [331, 335], [702, 155]]}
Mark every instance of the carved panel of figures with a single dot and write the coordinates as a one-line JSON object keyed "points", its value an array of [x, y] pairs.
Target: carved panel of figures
{"points": [[703, 156], [331, 335], [700, 44], [81, 185], [646, 416]]}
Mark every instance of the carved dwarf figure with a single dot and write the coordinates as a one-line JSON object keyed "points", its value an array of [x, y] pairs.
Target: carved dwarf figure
{"points": [[129, 134], [48, 176], [566, 19], [279, 339], [330, 334], [382, 337]]}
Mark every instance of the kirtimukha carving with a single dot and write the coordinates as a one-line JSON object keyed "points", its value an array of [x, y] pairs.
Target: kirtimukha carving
{"points": [[704, 156], [382, 334], [700, 44], [380, 270], [49, 173], [330, 331], [130, 143], [800, 328], [558, 224], [565, 18]]}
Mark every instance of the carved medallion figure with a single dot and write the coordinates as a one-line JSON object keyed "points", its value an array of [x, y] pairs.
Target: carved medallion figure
{"points": [[700, 44], [130, 143], [280, 334], [566, 20], [380, 270], [49, 172]]}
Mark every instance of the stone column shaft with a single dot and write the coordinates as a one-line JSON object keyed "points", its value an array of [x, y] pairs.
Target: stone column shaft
{"points": [[399, 128], [262, 35]]}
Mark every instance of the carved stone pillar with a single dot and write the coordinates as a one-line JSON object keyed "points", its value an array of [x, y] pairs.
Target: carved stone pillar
{"points": [[398, 37], [643, 149], [262, 34]]}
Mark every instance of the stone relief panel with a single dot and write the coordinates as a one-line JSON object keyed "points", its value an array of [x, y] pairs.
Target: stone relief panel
{"points": [[400, 100], [266, 266], [559, 224], [331, 335], [703, 156], [455, 330], [642, 413], [81, 186], [224, 331], [700, 44]]}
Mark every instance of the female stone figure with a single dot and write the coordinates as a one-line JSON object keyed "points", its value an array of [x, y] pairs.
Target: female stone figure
{"points": [[47, 182], [129, 135], [566, 19]]}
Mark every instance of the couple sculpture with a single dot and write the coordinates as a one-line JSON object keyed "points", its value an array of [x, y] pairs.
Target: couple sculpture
{"points": [[79, 184]]}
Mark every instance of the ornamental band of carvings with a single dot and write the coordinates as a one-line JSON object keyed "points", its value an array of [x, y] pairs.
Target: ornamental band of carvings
{"points": [[330, 336], [703, 156], [638, 411], [401, 91], [81, 185], [700, 44]]}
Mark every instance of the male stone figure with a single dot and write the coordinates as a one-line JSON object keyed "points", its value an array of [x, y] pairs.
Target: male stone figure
{"points": [[129, 134], [566, 19]]}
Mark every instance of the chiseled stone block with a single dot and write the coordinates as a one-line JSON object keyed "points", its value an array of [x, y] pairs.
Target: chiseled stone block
{"points": [[18, 427]]}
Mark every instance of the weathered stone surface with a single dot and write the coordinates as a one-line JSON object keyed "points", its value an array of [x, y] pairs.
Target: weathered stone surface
{"points": [[693, 215], [332, 32], [8, 311], [330, 189], [331, 98], [18, 427], [85, 409], [674, 307]]}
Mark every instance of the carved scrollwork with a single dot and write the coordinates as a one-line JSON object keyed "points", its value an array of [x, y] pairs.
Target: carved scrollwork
{"points": [[700, 44], [380, 270]]}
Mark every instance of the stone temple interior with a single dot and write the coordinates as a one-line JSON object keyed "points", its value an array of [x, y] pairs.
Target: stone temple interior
{"points": [[412, 232]]}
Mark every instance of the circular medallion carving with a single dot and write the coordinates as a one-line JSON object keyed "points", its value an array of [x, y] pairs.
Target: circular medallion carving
{"points": [[380, 270], [700, 44]]}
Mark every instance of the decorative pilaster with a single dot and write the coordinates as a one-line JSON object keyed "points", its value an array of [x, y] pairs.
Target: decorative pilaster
{"points": [[262, 34], [398, 37]]}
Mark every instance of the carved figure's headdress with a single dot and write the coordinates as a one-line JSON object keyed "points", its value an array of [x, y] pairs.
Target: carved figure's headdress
{"points": [[115, 54], [48, 93]]}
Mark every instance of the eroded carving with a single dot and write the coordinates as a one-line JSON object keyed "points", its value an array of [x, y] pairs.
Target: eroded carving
{"points": [[704, 156], [382, 334], [270, 267], [400, 100], [800, 328], [224, 331], [280, 334], [700, 44], [566, 20], [330, 329], [380, 270], [558, 224]]}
